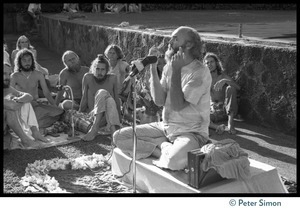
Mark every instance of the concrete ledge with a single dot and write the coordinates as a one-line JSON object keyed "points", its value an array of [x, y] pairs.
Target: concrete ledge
{"points": [[265, 70]]}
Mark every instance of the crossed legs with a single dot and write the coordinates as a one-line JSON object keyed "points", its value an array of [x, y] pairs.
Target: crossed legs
{"points": [[152, 141], [105, 113], [228, 110]]}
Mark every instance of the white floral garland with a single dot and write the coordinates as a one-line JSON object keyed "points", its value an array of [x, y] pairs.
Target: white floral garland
{"points": [[36, 177]]}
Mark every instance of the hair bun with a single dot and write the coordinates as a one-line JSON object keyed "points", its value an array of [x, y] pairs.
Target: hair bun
{"points": [[100, 56]]}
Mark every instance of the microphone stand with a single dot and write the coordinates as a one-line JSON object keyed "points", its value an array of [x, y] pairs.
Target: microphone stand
{"points": [[134, 94], [72, 114]]}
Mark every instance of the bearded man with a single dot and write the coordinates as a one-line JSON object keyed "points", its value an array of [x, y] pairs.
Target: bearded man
{"points": [[100, 100], [18, 115], [184, 93], [223, 93], [72, 76], [27, 79]]}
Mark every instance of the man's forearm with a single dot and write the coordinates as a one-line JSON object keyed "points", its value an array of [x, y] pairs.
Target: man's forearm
{"points": [[11, 105], [50, 98], [176, 95], [83, 103], [59, 97], [157, 92], [25, 98], [234, 84]]}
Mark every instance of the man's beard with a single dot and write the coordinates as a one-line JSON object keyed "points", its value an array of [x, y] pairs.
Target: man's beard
{"points": [[74, 68], [27, 69], [6, 83], [100, 80]]}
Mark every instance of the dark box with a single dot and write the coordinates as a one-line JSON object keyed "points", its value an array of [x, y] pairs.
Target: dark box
{"points": [[197, 177]]}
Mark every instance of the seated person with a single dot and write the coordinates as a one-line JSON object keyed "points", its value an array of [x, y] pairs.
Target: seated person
{"points": [[223, 94], [72, 7], [116, 8], [6, 57], [183, 91], [18, 114], [72, 76], [24, 43], [26, 79], [100, 98], [96, 7], [135, 8], [117, 65]]}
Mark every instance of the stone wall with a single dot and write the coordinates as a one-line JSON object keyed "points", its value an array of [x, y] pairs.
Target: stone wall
{"points": [[266, 73], [17, 22]]}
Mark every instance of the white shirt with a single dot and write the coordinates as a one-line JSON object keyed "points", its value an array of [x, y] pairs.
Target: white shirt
{"points": [[195, 82]]}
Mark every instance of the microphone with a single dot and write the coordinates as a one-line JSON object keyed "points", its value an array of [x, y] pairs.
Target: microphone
{"points": [[138, 66]]}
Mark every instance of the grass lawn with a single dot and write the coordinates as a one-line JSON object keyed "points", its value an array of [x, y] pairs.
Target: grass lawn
{"points": [[82, 181], [86, 181]]}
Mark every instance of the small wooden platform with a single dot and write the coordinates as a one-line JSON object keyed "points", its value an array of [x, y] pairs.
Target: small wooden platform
{"points": [[151, 179]]}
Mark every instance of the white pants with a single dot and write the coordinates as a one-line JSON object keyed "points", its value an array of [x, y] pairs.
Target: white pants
{"points": [[27, 118]]}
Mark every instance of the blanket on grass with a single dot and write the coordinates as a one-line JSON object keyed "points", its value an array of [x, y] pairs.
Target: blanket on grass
{"points": [[62, 139], [15, 143]]}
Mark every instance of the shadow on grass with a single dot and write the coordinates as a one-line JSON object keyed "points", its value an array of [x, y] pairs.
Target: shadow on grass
{"points": [[100, 145], [85, 181], [261, 141], [292, 35]]}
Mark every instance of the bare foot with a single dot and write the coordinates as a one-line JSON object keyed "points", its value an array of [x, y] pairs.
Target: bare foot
{"points": [[29, 143], [90, 136], [38, 136]]}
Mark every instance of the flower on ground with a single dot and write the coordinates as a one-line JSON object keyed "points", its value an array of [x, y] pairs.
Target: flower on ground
{"points": [[36, 177]]}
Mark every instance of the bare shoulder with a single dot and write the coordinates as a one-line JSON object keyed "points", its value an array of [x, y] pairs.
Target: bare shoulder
{"points": [[14, 52], [15, 74], [88, 76], [63, 73]]}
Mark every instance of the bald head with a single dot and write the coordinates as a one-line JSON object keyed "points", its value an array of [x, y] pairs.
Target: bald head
{"points": [[192, 40], [186, 38], [71, 60]]}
